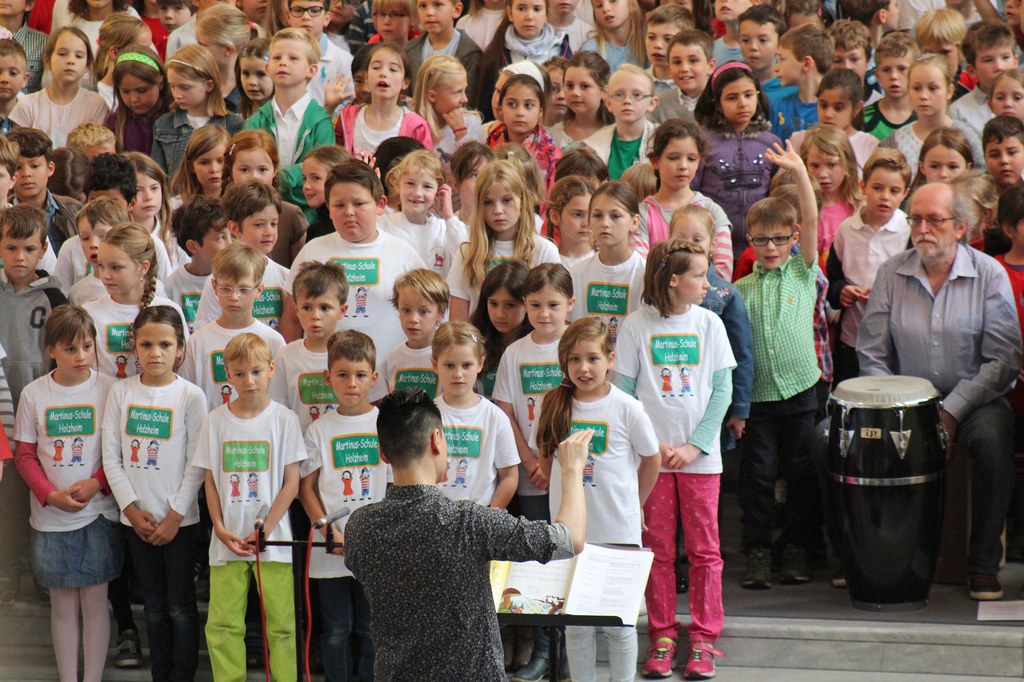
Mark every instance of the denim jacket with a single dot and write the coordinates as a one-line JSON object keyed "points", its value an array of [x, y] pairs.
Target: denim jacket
{"points": [[724, 299], [172, 131]]}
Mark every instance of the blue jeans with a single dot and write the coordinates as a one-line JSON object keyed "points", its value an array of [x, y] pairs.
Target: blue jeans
{"points": [[345, 611], [986, 435], [167, 575]]}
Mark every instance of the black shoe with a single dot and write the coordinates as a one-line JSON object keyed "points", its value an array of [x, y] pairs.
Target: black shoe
{"points": [[759, 569], [795, 569], [839, 579], [533, 671], [129, 650], [682, 582]]}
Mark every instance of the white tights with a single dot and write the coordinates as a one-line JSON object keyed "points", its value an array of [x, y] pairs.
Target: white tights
{"points": [[64, 607]]}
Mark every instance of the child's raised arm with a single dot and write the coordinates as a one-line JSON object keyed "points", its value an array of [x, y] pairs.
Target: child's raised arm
{"points": [[790, 161]]}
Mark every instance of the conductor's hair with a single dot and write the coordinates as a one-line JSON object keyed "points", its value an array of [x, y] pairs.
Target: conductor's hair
{"points": [[404, 424]]}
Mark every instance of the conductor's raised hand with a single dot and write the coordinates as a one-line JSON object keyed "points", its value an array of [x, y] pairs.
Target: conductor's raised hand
{"points": [[572, 452]]}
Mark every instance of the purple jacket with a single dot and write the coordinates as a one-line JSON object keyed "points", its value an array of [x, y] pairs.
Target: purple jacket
{"points": [[138, 133], [735, 174]]}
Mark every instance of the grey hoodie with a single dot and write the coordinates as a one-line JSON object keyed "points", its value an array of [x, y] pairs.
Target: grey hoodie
{"points": [[22, 316]]}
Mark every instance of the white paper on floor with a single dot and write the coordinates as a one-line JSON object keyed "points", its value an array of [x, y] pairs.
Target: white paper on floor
{"points": [[1001, 610]]}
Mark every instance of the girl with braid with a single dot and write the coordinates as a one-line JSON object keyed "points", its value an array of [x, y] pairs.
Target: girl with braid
{"points": [[127, 267]]}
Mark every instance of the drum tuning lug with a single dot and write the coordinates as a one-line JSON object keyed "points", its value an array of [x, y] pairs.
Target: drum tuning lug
{"points": [[901, 439], [846, 438]]}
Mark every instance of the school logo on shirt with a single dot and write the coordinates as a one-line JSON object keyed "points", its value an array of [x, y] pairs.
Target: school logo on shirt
{"points": [[313, 389], [119, 338], [606, 298], [355, 450], [269, 305], [149, 422], [675, 349], [495, 262], [70, 420], [599, 443], [535, 379], [417, 378], [245, 455], [217, 369], [463, 441], [360, 271], [190, 305]]}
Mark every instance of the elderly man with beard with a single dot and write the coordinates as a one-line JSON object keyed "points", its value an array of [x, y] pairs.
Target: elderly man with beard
{"points": [[944, 312]]}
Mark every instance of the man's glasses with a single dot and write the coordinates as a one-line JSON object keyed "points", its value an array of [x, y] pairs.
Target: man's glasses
{"points": [[933, 221]]}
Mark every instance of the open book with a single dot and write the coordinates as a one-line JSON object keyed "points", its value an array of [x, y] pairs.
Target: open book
{"points": [[600, 581]]}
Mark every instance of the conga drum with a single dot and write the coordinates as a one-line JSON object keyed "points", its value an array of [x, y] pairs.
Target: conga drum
{"points": [[886, 463]]}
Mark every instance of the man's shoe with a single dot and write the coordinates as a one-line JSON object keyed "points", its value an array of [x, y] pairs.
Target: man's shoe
{"points": [[533, 671], [129, 650], [795, 569], [985, 586], [759, 569], [701, 664], [660, 659]]}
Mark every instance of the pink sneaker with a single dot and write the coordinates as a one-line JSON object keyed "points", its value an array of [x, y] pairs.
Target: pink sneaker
{"points": [[701, 664], [660, 658]]}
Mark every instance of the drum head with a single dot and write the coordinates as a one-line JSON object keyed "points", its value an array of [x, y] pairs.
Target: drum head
{"points": [[884, 391]]}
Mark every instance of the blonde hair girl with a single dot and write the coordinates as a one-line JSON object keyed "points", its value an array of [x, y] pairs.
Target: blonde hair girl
{"points": [[830, 160], [930, 81], [129, 268], [224, 30], [457, 356], [502, 228], [1008, 94], [118, 33], [619, 33], [194, 79], [439, 96], [152, 207], [202, 169], [142, 96]]}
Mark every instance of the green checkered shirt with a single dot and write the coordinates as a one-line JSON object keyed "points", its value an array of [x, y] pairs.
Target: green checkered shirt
{"points": [[780, 304]]}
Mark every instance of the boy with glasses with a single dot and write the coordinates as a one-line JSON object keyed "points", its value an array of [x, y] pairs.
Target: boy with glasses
{"points": [[332, 83], [781, 294]]}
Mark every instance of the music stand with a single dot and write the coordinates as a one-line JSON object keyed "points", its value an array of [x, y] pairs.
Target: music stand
{"points": [[552, 622]]}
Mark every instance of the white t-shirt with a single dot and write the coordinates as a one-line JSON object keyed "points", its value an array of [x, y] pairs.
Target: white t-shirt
{"points": [[299, 383], [204, 358], [526, 372], [37, 110], [184, 288], [608, 292], [544, 252], [72, 265], [578, 31], [367, 139], [267, 308], [149, 437], [447, 144], [62, 16], [371, 270], [436, 240], [334, 62], [113, 330], [673, 360], [481, 27], [352, 474], [480, 441], [572, 261], [64, 423], [247, 458], [406, 367], [623, 433]]}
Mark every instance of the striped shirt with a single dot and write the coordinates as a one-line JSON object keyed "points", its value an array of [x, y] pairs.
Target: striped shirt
{"points": [[780, 304]]}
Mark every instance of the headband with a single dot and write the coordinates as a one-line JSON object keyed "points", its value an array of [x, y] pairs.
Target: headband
{"points": [[138, 57], [728, 65], [191, 66]]}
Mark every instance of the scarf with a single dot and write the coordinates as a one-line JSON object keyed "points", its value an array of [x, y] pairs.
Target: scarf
{"points": [[548, 44]]}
